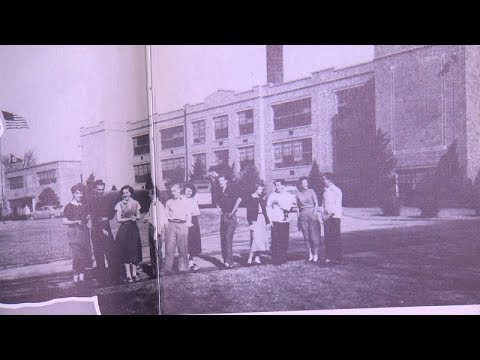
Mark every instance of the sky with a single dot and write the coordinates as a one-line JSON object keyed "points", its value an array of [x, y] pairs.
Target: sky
{"points": [[198, 71], [58, 89]]}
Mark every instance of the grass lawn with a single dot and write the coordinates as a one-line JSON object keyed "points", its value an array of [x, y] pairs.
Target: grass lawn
{"points": [[388, 263], [408, 266], [41, 241]]}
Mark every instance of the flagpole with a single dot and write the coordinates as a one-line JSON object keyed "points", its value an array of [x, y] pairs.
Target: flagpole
{"points": [[1, 180], [153, 172]]}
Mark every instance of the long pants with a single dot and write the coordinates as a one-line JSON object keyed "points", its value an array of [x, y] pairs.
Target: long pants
{"points": [[104, 247], [153, 249], [280, 236], [227, 228], [176, 238], [333, 242]]}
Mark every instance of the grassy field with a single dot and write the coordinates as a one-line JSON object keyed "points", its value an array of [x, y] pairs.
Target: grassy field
{"points": [[40, 241], [388, 263], [408, 266]]}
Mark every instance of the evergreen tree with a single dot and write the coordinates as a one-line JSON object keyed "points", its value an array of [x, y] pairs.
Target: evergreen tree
{"points": [[90, 184], [445, 187], [198, 170], [246, 181]]}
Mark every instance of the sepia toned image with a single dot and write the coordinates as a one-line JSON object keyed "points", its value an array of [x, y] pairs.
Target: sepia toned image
{"points": [[74, 227], [341, 177], [240, 179]]}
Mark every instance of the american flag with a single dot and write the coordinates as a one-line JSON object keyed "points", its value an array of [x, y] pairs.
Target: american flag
{"points": [[13, 121]]}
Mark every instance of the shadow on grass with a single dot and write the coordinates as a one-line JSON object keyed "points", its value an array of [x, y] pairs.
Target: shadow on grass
{"points": [[425, 265]]}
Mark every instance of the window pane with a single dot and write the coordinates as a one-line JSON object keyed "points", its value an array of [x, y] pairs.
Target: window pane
{"points": [[173, 169], [141, 145], [222, 156], [292, 114], [221, 127], [198, 129], [172, 137], [245, 122], [293, 153]]}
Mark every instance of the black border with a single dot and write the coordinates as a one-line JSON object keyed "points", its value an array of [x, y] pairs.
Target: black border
{"points": [[184, 23]]}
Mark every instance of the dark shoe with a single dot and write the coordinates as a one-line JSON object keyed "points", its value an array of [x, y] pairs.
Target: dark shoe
{"points": [[135, 278]]}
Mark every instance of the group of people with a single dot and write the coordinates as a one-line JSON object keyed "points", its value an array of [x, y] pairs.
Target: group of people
{"points": [[124, 248], [264, 215], [176, 223], [273, 215]]}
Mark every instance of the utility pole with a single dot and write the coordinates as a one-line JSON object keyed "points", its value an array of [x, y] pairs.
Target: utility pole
{"points": [[185, 139]]}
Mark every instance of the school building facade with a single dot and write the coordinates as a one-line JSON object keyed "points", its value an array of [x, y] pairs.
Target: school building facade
{"points": [[423, 97]]}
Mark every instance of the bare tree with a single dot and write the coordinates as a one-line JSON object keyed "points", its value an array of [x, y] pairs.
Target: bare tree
{"points": [[29, 158], [6, 162]]}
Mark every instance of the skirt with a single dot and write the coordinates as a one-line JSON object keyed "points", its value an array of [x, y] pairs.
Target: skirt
{"points": [[79, 242], [194, 238], [260, 235], [129, 243]]}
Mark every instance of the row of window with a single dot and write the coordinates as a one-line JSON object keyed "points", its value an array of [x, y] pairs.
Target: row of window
{"points": [[286, 154], [43, 177], [286, 115]]}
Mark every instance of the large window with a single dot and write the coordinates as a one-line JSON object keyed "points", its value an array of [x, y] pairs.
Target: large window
{"points": [[141, 145], [222, 156], [292, 114], [173, 169], [172, 137], [142, 172], [47, 177], [245, 122], [246, 156], [16, 182], [198, 130], [221, 127], [293, 153]]}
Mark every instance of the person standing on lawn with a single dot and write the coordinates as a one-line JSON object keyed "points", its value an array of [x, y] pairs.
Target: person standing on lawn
{"points": [[332, 214], [279, 204], [75, 216], [156, 210], [179, 218], [259, 223], [101, 212], [308, 222], [128, 235], [227, 204], [194, 236]]}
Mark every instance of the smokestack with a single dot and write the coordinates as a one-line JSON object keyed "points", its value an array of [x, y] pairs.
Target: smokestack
{"points": [[274, 64]]}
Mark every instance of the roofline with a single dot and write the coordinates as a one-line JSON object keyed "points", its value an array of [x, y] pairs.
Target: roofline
{"points": [[252, 89], [42, 164]]}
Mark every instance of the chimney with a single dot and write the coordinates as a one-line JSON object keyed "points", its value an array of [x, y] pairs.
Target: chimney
{"points": [[274, 64]]}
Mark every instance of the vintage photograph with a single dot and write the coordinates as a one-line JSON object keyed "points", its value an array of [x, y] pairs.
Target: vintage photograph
{"points": [[241, 179]]}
